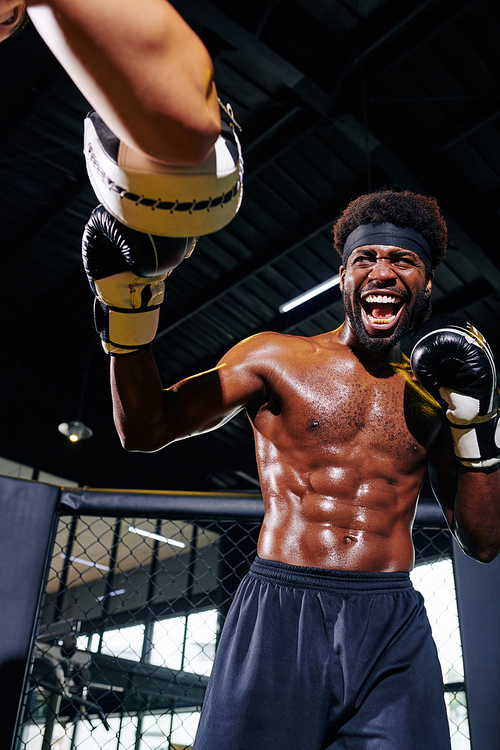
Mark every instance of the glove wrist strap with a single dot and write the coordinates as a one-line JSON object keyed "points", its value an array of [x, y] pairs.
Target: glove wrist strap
{"points": [[124, 332], [477, 446]]}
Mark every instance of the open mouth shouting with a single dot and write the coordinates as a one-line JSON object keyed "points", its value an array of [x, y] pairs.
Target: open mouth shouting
{"points": [[381, 311]]}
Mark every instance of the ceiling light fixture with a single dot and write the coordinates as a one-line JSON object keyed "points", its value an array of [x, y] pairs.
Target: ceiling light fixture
{"points": [[305, 296], [159, 537], [248, 478], [75, 430]]}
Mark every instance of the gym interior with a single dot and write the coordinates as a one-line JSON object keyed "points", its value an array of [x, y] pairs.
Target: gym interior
{"points": [[113, 599]]}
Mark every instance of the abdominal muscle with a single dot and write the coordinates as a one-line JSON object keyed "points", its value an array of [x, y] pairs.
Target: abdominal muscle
{"points": [[342, 454], [321, 519]]}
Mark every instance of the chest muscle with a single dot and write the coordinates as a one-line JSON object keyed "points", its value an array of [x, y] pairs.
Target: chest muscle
{"points": [[331, 407]]}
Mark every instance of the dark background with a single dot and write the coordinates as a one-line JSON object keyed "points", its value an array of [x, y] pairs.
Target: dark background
{"points": [[335, 97]]}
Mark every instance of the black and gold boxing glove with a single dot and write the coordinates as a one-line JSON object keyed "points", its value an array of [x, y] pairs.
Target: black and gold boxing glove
{"points": [[453, 361], [126, 271]]}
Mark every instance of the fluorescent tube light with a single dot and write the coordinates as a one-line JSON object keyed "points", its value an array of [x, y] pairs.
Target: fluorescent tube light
{"points": [[305, 296], [86, 562], [111, 593], [159, 537]]}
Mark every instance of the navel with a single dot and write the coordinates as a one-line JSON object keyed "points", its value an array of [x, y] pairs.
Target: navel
{"points": [[349, 539]]}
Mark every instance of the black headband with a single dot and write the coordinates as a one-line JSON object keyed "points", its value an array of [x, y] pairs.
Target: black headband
{"points": [[384, 233]]}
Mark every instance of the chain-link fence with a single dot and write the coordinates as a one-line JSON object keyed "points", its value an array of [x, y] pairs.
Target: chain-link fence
{"points": [[131, 617], [433, 577]]}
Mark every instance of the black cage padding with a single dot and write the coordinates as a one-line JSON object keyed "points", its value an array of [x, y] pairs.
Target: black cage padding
{"points": [[161, 504], [51, 535], [27, 513], [86, 501]]}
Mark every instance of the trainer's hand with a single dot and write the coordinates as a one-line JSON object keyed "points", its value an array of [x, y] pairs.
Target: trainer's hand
{"points": [[126, 270], [452, 360]]}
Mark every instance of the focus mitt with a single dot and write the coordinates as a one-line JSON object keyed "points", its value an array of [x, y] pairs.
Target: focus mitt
{"points": [[162, 199]]}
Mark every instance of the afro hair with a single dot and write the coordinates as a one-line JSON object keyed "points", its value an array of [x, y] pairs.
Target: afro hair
{"points": [[401, 208]]}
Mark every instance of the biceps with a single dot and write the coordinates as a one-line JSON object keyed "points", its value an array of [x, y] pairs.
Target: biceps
{"points": [[207, 401]]}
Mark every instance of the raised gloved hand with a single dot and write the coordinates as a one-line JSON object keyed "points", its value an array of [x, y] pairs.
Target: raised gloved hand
{"points": [[126, 270], [453, 361]]}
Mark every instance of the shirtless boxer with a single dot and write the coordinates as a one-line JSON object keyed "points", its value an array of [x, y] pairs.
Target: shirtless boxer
{"points": [[327, 645]]}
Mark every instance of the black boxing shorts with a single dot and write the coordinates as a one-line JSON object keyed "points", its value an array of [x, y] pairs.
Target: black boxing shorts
{"points": [[314, 659]]}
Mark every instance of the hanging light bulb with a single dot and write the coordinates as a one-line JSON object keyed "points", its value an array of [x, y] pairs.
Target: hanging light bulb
{"points": [[75, 430]]}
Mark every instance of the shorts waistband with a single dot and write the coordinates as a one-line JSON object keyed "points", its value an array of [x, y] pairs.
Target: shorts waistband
{"points": [[320, 578]]}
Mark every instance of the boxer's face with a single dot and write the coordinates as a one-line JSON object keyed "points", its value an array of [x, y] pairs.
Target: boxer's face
{"points": [[10, 18], [383, 288]]}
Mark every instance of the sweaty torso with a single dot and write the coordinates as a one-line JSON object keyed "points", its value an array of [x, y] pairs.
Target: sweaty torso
{"points": [[342, 451]]}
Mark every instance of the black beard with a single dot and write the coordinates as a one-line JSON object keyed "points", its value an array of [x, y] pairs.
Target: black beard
{"points": [[411, 315]]}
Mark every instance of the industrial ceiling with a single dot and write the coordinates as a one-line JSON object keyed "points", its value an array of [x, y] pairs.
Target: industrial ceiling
{"points": [[335, 98]]}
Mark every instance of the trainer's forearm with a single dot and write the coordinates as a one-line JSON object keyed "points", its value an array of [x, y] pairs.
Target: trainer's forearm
{"points": [[141, 67], [138, 402]]}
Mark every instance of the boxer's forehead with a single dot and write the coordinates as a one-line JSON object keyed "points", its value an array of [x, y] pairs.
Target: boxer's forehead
{"points": [[390, 252]]}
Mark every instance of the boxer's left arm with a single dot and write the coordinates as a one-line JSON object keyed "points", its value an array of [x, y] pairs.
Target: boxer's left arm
{"points": [[452, 360], [141, 67], [470, 499]]}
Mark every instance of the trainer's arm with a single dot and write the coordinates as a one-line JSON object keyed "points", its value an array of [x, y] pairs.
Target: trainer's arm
{"points": [[147, 417], [470, 500], [141, 67]]}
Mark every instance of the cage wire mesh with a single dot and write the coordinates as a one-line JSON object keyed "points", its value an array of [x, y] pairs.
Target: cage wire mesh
{"points": [[129, 627]]}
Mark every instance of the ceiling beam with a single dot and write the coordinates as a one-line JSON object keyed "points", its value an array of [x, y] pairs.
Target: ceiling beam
{"points": [[401, 39], [384, 44], [257, 263], [35, 96], [202, 13], [69, 190], [481, 114]]}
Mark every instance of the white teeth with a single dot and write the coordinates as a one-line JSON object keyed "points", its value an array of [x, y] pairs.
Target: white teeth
{"points": [[381, 299], [387, 321]]}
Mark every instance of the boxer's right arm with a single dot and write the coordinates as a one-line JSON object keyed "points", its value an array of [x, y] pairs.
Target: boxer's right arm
{"points": [[126, 271], [148, 418], [141, 67]]}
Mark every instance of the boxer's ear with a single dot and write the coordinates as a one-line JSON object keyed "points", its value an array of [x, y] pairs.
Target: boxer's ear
{"points": [[341, 274]]}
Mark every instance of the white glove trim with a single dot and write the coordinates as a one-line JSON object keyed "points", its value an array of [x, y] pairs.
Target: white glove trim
{"points": [[478, 445], [467, 406]]}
